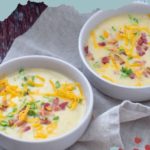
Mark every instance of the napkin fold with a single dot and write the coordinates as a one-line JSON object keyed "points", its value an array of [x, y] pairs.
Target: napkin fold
{"points": [[114, 126]]}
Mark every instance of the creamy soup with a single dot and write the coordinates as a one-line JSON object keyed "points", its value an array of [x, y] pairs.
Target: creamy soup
{"points": [[39, 104], [118, 49]]}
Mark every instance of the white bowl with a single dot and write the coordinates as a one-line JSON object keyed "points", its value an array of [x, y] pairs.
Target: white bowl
{"points": [[66, 140], [111, 89]]}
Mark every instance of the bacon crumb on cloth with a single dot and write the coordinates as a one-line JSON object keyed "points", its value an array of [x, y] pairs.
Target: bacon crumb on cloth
{"points": [[17, 23]]}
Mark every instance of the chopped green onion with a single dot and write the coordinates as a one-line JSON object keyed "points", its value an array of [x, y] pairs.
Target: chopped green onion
{"points": [[10, 115], [126, 72], [114, 29], [21, 70], [25, 78], [4, 123], [32, 113], [80, 101], [101, 37], [130, 58], [50, 99], [14, 109], [96, 65], [56, 118], [33, 78], [133, 19], [57, 84], [121, 49], [32, 105]]}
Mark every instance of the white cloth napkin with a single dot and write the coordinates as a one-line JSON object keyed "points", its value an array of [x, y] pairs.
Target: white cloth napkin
{"points": [[55, 34]]}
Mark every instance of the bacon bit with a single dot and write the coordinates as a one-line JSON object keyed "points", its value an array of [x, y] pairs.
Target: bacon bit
{"points": [[145, 47], [102, 44], [12, 122], [140, 62], [20, 123], [141, 47], [123, 53], [47, 106], [146, 72], [120, 149], [56, 101], [63, 105], [119, 59], [143, 37], [147, 147], [105, 60], [132, 76], [86, 50], [135, 149], [43, 112], [137, 140], [90, 56], [27, 128], [56, 108], [45, 121], [141, 53], [113, 42], [138, 48]]}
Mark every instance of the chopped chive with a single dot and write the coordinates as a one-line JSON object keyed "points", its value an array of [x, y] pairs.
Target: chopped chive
{"points": [[136, 33], [10, 115], [57, 84], [121, 49], [101, 37], [4, 123], [96, 65], [130, 58], [33, 78], [80, 101], [113, 28], [133, 19], [56, 118], [32, 105], [32, 113], [25, 78], [21, 70], [14, 109], [50, 99], [126, 72]]}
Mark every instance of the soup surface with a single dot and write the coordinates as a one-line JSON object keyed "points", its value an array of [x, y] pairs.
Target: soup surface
{"points": [[39, 104], [118, 49]]}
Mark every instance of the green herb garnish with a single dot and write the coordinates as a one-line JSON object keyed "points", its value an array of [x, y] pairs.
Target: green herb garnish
{"points": [[32, 113], [4, 123], [10, 115], [101, 37], [133, 19], [130, 58], [113, 28], [33, 78], [21, 70], [56, 118], [80, 101], [50, 99], [57, 84], [126, 72], [25, 78], [121, 49], [14, 109], [32, 105], [96, 65]]}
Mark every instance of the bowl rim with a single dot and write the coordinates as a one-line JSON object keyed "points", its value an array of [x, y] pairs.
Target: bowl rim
{"points": [[81, 51], [85, 116]]}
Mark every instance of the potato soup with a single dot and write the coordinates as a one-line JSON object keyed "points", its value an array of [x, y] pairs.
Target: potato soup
{"points": [[118, 49], [39, 104]]}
